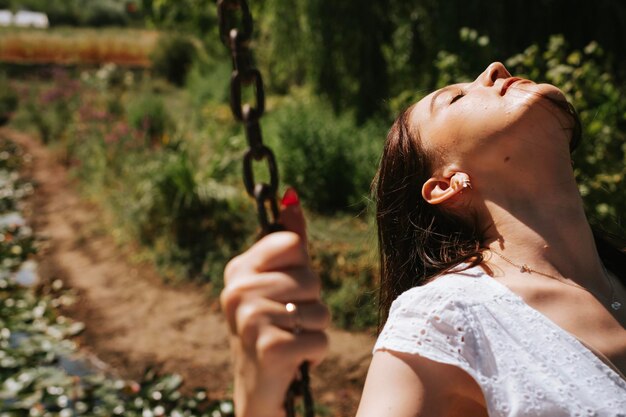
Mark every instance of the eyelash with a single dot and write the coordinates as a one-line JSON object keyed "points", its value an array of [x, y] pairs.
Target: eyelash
{"points": [[460, 94]]}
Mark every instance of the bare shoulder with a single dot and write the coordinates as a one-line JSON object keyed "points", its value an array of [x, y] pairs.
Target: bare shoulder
{"points": [[408, 385]]}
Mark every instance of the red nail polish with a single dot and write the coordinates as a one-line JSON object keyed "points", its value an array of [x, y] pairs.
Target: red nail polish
{"points": [[290, 198]]}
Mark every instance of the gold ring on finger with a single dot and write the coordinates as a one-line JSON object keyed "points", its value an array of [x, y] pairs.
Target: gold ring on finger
{"points": [[293, 312]]}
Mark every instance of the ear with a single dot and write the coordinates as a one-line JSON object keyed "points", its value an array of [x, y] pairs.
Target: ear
{"points": [[438, 190]]}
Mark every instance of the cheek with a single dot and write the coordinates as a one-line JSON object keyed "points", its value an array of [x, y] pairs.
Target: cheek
{"points": [[477, 123], [467, 127]]}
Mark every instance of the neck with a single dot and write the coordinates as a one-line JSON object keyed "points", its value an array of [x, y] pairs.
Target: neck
{"points": [[545, 227]]}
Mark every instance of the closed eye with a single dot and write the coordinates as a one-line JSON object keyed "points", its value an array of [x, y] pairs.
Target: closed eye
{"points": [[459, 95]]}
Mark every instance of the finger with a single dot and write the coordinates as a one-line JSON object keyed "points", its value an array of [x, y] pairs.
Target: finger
{"points": [[296, 284], [277, 345], [276, 251], [278, 356], [253, 318], [291, 215], [304, 317]]}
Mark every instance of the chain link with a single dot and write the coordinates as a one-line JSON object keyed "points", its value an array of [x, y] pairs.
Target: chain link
{"points": [[236, 25], [245, 112]]}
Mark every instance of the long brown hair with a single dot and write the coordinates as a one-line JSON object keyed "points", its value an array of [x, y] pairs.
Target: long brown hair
{"points": [[418, 241]]}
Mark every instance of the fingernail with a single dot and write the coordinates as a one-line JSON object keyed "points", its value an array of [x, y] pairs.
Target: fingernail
{"points": [[290, 198]]}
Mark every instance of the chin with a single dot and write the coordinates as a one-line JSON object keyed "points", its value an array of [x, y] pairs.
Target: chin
{"points": [[544, 104], [551, 92], [552, 105]]}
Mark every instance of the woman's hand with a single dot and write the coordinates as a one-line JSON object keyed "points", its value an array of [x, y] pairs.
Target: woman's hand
{"points": [[268, 341]]}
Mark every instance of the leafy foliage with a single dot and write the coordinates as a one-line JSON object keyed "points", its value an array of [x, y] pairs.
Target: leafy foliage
{"points": [[147, 113], [173, 57], [357, 55], [203, 222], [600, 160], [105, 13], [205, 83], [198, 17], [190, 221], [8, 100], [326, 157], [51, 107]]}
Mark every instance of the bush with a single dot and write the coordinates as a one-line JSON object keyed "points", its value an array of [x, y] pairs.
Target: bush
{"points": [[349, 284], [173, 57], [61, 12], [51, 108], [8, 100], [353, 307], [208, 220], [193, 223], [148, 115], [104, 13], [209, 82], [326, 157]]}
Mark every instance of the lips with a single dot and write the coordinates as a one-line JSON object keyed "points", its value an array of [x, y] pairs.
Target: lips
{"points": [[508, 82]]}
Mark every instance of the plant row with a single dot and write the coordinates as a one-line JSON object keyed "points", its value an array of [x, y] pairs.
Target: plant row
{"points": [[41, 371], [84, 47]]}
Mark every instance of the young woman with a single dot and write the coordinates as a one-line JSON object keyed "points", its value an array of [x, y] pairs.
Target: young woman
{"points": [[505, 303]]}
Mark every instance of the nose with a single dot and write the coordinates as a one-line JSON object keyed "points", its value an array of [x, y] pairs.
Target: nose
{"points": [[494, 71]]}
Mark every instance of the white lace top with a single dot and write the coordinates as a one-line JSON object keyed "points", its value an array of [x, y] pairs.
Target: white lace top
{"points": [[524, 363]]}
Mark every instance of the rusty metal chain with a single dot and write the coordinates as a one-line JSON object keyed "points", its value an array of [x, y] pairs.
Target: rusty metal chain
{"points": [[236, 25]]}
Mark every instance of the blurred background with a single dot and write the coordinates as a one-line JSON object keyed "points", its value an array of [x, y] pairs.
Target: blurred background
{"points": [[131, 96]]}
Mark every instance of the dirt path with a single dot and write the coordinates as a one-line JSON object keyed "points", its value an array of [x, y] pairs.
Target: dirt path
{"points": [[134, 321]]}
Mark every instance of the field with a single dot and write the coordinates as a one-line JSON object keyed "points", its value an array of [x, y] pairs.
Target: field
{"points": [[125, 47]]}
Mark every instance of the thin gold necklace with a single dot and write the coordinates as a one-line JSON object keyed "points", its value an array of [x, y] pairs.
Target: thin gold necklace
{"points": [[524, 268]]}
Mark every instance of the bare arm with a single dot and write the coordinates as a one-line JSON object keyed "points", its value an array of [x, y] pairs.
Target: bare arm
{"points": [[404, 385]]}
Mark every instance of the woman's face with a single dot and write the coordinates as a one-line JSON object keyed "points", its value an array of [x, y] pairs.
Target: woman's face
{"points": [[496, 115]]}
